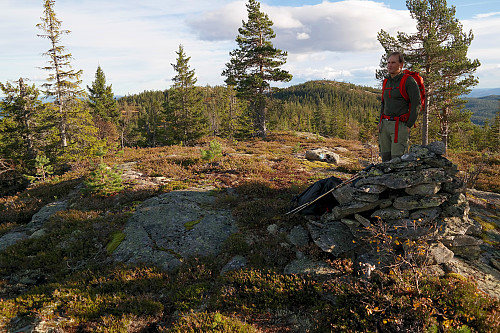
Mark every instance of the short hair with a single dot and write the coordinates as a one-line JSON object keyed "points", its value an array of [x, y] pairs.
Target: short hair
{"points": [[399, 55]]}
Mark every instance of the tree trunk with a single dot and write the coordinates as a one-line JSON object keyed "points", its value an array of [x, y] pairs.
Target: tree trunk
{"points": [[425, 122], [26, 116], [445, 128], [260, 109], [62, 127]]}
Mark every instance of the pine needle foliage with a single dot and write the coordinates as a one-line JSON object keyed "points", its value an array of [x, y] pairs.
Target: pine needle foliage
{"points": [[256, 63], [214, 151], [185, 121]]}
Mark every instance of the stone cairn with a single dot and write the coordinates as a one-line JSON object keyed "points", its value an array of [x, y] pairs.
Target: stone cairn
{"points": [[417, 197]]}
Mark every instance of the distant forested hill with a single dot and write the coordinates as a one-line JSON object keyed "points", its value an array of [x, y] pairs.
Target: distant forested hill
{"points": [[483, 108], [329, 108]]}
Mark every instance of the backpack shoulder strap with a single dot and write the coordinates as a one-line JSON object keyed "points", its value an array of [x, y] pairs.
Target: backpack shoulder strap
{"points": [[402, 88], [383, 88]]}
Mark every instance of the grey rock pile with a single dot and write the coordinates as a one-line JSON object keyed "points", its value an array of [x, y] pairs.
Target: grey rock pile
{"points": [[415, 198]]}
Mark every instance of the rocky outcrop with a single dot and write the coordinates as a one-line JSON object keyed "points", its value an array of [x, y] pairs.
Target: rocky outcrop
{"points": [[174, 226], [415, 198], [35, 227]]}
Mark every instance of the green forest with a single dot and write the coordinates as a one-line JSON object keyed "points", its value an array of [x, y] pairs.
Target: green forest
{"points": [[45, 130], [483, 108], [329, 108]]}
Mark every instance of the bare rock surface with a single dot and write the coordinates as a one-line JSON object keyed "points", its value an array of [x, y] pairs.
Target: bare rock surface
{"points": [[169, 228]]}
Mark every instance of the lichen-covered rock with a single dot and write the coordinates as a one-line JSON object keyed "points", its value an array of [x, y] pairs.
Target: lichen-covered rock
{"points": [[309, 267], [237, 262], [298, 236], [341, 211], [464, 245], [169, 228], [45, 213], [439, 254], [34, 227], [453, 226], [322, 154], [405, 179], [11, 238], [390, 213], [426, 215], [344, 194], [420, 202], [424, 189]]}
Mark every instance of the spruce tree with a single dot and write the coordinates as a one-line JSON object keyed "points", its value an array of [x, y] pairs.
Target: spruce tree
{"points": [[321, 118], [226, 112], [72, 123], [63, 82], [438, 50], [19, 121], [103, 180], [104, 108], [101, 98], [185, 120], [236, 121], [255, 63]]}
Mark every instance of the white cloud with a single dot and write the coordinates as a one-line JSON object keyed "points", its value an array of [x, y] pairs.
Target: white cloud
{"points": [[486, 15], [135, 41], [219, 24], [303, 35], [327, 40], [486, 47], [331, 26]]}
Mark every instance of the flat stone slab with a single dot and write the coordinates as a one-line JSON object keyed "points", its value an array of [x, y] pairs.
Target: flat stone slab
{"points": [[333, 237]]}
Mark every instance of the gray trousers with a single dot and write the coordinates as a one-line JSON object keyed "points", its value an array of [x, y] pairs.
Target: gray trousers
{"points": [[388, 148]]}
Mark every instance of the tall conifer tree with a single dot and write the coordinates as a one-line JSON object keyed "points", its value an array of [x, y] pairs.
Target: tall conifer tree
{"points": [[255, 63], [104, 108], [63, 82], [101, 98], [184, 109], [19, 125], [438, 50], [72, 120]]}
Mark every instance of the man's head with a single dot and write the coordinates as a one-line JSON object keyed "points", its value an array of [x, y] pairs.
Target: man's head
{"points": [[395, 63]]}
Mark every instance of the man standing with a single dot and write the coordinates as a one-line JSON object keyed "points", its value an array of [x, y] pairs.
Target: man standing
{"points": [[397, 114]]}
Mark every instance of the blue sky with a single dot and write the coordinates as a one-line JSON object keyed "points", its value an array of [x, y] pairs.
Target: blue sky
{"points": [[135, 41]]}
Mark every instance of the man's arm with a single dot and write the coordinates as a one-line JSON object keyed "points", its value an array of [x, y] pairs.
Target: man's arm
{"points": [[380, 115], [413, 92]]}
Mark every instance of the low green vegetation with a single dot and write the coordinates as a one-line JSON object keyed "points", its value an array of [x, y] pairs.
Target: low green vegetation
{"points": [[214, 151]]}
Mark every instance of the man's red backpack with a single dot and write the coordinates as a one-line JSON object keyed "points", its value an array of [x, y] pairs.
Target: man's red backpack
{"points": [[402, 90]]}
